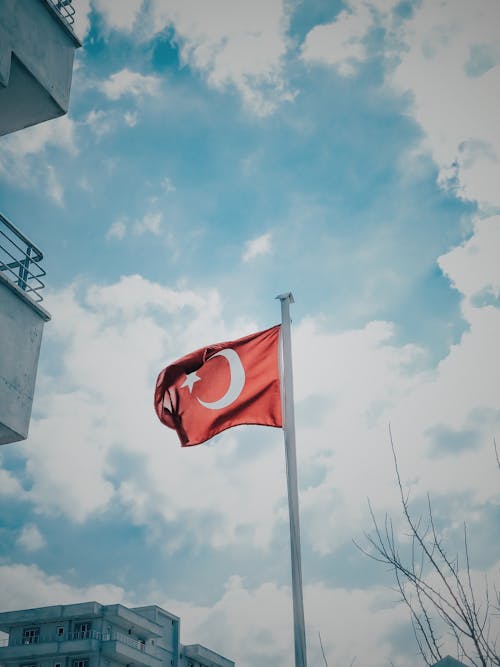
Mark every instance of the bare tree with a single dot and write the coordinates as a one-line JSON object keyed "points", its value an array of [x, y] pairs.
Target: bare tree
{"points": [[436, 588]]}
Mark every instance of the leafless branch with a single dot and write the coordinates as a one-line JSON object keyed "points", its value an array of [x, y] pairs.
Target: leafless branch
{"points": [[322, 649], [437, 589]]}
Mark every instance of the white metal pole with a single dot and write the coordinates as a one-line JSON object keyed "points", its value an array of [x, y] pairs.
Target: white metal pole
{"points": [[291, 476]]}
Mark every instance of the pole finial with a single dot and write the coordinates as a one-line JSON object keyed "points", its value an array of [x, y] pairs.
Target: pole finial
{"points": [[286, 296]]}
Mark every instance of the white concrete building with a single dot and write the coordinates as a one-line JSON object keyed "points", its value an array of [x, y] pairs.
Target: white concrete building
{"points": [[90, 634], [37, 47]]}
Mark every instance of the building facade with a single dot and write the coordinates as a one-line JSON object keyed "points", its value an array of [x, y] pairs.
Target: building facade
{"points": [[37, 48], [90, 634]]}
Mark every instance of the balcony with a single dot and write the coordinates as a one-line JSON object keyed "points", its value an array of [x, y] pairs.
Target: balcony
{"points": [[21, 323], [40, 647], [115, 646], [125, 649], [37, 47]]}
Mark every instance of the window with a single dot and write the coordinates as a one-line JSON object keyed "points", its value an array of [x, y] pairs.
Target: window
{"points": [[31, 635], [60, 631], [57, 664], [80, 663], [84, 629]]}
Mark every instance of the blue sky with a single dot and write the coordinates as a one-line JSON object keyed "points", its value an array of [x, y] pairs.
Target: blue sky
{"points": [[215, 155]]}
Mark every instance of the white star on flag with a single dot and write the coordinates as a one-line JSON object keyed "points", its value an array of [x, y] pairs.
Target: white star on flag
{"points": [[191, 378]]}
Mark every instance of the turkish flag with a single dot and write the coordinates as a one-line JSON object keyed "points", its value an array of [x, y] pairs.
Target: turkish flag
{"points": [[221, 386]]}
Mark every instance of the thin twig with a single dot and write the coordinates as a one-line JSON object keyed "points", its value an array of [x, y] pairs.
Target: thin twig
{"points": [[322, 649]]}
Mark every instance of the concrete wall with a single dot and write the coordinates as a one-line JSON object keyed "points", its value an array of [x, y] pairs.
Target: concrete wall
{"points": [[21, 326], [36, 63], [168, 644], [67, 612]]}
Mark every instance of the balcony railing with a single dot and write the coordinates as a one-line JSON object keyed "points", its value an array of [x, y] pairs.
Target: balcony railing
{"points": [[19, 260], [129, 641], [74, 636], [65, 9]]}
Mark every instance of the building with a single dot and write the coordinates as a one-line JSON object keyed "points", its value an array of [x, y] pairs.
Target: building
{"points": [[448, 661], [37, 47], [90, 634]]}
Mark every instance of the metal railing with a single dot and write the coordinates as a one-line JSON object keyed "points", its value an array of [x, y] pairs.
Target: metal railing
{"points": [[138, 644], [65, 9], [82, 634], [19, 260], [129, 641]]}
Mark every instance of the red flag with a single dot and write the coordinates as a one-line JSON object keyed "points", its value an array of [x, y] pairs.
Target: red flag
{"points": [[220, 386]]}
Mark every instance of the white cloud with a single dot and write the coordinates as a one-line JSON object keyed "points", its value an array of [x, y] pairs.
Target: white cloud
{"points": [[361, 382], [447, 56], [117, 230], [54, 187], [26, 586], [131, 118], [81, 24], [473, 266], [236, 44], [340, 43], [59, 132], [150, 222], [261, 245], [69, 471], [450, 62], [119, 14], [31, 538], [84, 184], [168, 185], [99, 121], [233, 42], [244, 622], [9, 485], [253, 626], [20, 162], [125, 82]]}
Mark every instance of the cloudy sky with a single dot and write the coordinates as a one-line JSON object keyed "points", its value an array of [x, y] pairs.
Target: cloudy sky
{"points": [[217, 153]]}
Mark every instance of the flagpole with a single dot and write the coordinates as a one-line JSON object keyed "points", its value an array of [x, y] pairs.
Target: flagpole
{"points": [[291, 476]]}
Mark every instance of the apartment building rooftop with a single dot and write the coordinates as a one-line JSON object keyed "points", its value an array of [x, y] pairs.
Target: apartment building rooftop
{"points": [[90, 634]]}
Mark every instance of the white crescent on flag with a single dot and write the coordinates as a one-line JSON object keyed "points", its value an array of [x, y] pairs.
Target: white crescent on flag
{"points": [[236, 384]]}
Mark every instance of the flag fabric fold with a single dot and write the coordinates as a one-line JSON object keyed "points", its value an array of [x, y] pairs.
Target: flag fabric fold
{"points": [[220, 386]]}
